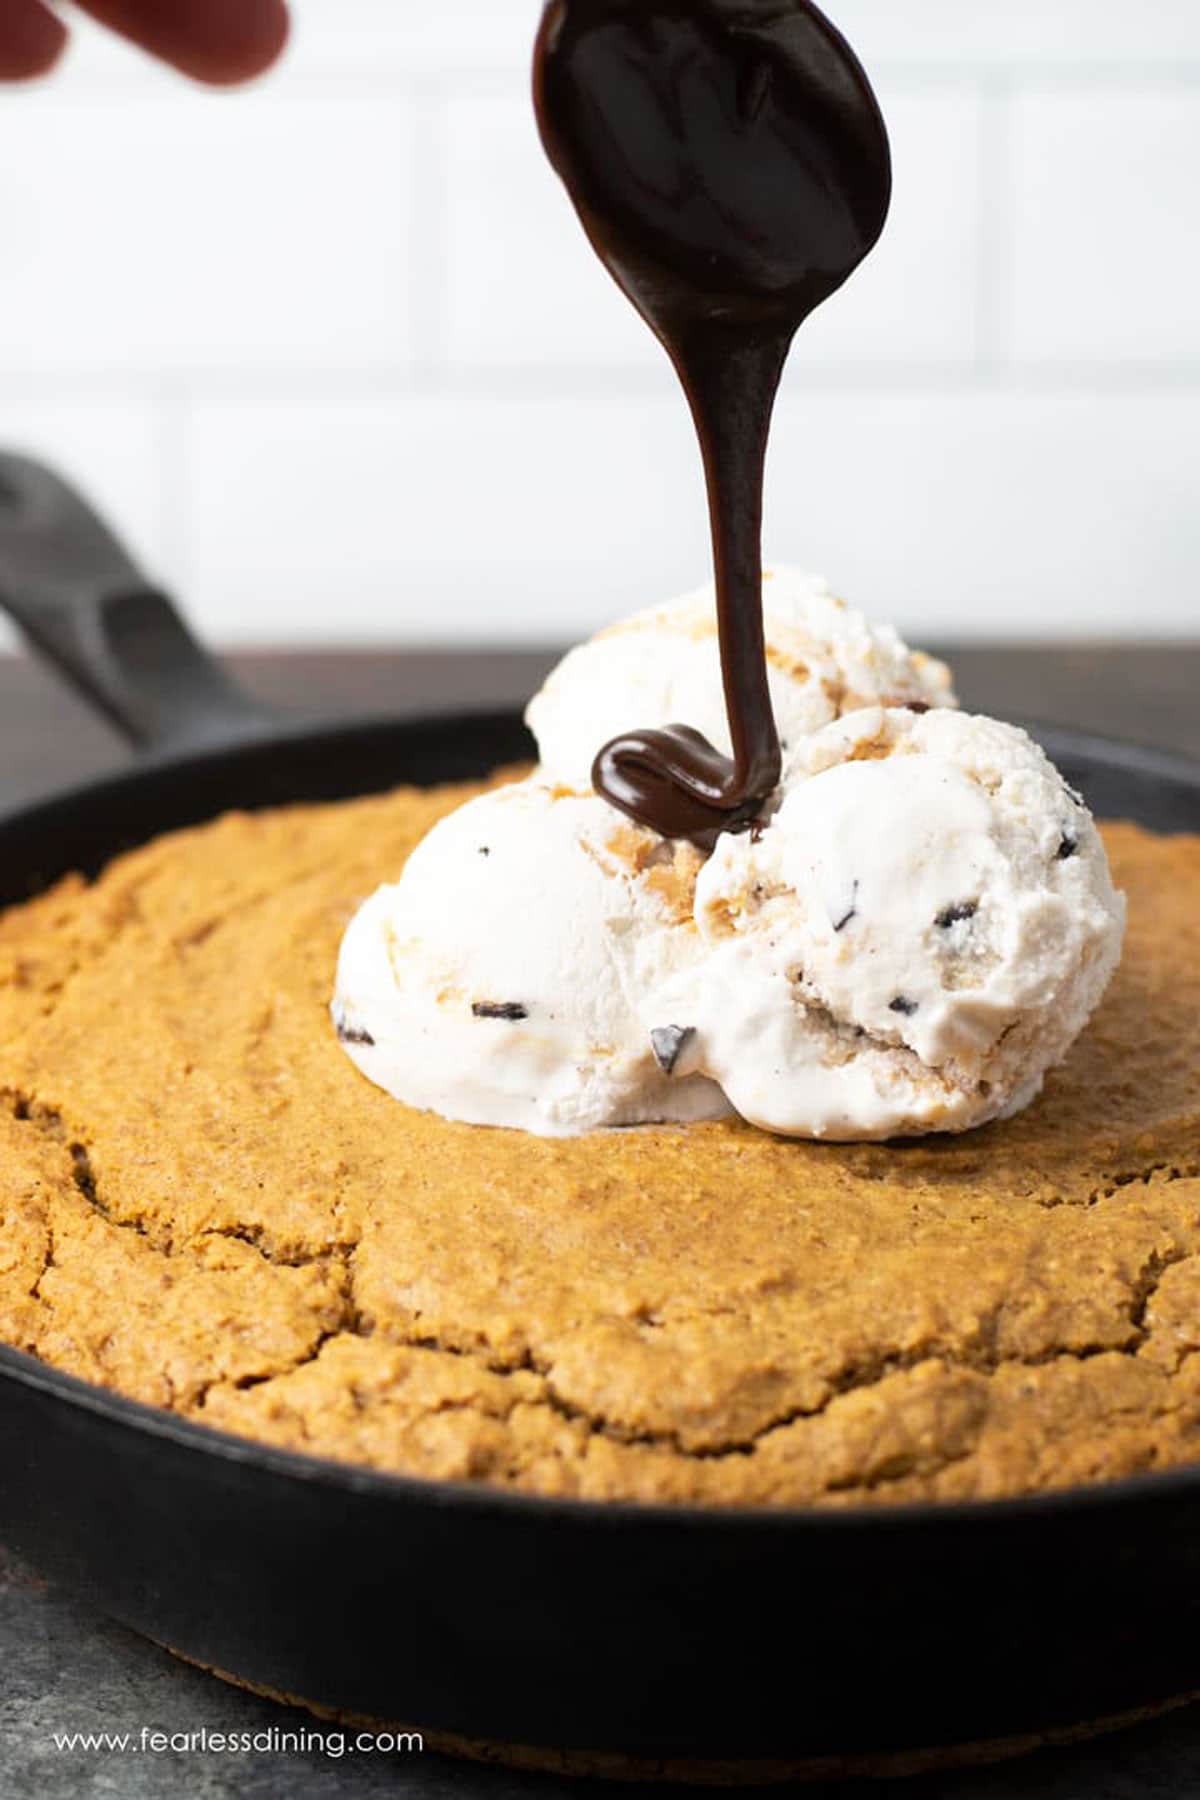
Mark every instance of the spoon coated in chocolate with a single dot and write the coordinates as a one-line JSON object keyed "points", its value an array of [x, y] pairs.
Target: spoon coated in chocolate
{"points": [[730, 165]]}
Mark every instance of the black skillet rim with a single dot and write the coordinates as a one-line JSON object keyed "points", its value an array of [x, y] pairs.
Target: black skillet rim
{"points": [[1060, 741], [469, 1497]]}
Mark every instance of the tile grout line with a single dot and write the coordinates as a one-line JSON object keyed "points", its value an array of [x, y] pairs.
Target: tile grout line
{"points": [[303, 384]]}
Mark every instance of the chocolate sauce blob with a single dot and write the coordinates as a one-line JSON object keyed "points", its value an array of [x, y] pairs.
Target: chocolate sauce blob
{"points": [[730, 165]]}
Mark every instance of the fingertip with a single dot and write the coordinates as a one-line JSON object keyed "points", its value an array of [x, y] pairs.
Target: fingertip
{"points": [[32, 43], [238, 44], [219, 42]]}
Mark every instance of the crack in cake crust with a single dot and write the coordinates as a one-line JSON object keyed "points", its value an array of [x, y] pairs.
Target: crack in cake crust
{"points": [[204, 1206], [856, 1380]]}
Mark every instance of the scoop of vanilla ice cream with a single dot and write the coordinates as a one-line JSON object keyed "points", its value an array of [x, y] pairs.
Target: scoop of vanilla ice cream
{"points": [[919, 933], [663, 667], [498, 980]]}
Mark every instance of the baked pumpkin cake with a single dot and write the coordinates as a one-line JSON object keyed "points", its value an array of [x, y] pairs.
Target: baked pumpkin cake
{"points": [[205, 1206]]}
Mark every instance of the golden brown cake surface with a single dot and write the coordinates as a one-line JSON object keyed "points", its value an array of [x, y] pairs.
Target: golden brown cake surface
{"points": [[205, 1206]]}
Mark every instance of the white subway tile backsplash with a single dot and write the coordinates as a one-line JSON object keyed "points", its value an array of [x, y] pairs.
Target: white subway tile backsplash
{"points": [[996, 513], [1022, 34], [400, 37], [423, 518], [1106, 225], [524, 286], [507, 517], [203, 230], [335, 351], [914, 299]]}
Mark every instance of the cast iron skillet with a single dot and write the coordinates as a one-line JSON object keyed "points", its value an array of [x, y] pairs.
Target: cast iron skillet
{"points": [[657, 1633]]}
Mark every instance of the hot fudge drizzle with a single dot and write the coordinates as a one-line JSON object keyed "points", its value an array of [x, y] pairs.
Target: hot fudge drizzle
{"points": [[730, 165]]}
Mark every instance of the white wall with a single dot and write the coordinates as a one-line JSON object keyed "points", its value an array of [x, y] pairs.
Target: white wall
{"points": [[334, 352]]}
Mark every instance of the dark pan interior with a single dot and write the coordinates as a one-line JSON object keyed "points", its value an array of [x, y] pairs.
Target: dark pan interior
{"points": [[86, 827], [83, 829]]}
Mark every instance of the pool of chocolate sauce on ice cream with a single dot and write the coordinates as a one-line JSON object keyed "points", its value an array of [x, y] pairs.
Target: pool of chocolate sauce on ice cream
{"points": [[730, 165]]}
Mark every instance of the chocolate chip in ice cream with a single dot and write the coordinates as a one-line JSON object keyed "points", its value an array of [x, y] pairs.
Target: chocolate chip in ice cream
{"points": [[349, 1033], [668, 1043], [511, 1010], [902, 1004], [851, 912], [957, 915]]}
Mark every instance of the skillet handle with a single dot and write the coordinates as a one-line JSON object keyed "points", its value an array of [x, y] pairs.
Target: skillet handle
{"points": [[83, 604]]}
